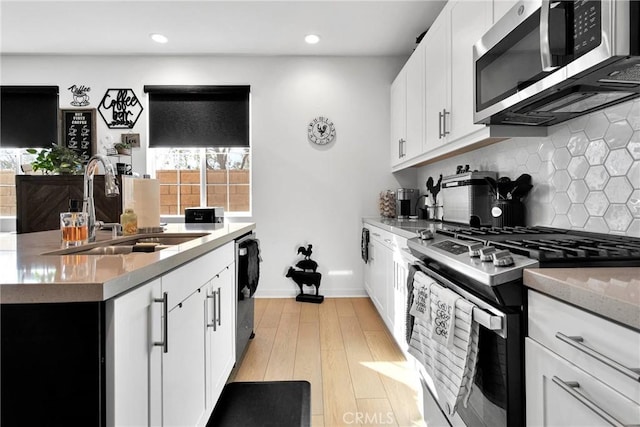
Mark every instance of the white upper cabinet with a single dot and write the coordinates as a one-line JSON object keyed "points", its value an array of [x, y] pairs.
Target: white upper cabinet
{"points": [[469, 22], [446, 55], [398, 117], [415, 102], [437, 71], [407, 109]]}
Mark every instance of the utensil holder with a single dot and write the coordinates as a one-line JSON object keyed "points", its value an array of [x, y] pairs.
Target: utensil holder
{"points": [[507, 213]]}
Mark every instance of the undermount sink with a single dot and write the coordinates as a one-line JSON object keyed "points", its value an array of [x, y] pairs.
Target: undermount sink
{"points": [[151, 242]]}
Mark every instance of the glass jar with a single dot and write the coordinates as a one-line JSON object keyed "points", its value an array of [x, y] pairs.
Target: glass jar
{"points": [[74, 225], [129, 222]]}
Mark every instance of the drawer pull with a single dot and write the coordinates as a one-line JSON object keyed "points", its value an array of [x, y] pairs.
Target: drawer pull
{"points": [[571, 386], [577, 342]]}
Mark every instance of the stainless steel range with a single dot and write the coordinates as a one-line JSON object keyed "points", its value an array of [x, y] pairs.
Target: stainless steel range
{"points": [[485, 266]]}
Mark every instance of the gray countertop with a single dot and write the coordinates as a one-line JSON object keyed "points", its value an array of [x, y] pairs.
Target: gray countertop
{"points": [[402, 227], [613, 293], [28, 276]]}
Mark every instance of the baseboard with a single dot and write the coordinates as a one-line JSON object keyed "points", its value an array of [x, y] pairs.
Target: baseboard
{"points": [[331, 293]]}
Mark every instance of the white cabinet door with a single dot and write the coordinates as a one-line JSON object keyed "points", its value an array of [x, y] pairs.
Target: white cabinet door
{"points": [[220, 325], [183, 365], [437, 66], [415, 103], [556, 390], [377, 258], [469, 22], [398, 114], [400, 272], [133, 362]]}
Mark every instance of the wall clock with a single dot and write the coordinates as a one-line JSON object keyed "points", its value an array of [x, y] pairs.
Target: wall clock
{"points": [[321, 130]]}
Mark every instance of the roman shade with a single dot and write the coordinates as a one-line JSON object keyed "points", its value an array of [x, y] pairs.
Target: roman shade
{"points": [[198, 116], [28, 116]]}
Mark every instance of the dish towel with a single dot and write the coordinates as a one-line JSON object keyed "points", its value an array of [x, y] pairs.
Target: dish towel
{"points": [[421, 306], [408, 316], [443, 316], [451, 369]]}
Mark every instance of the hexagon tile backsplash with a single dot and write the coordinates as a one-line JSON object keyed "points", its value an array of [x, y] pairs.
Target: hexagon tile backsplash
{"points": [[586, 172]]}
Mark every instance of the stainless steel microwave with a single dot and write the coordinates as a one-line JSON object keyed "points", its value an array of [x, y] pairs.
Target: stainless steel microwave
{"points": [[547, 61]]}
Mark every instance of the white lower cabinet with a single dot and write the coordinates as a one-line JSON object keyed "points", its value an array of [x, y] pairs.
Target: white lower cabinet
{"points": [[133, 362], [170, 371], [560, 394], [220, 335], [581, 369], [183, 365], [386, 280]]}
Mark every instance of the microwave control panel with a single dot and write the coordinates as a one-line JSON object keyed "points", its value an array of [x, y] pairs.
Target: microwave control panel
{"points": [[587, 32]]}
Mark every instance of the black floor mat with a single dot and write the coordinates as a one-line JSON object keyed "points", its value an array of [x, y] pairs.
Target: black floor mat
{"points": [[263, 404]]}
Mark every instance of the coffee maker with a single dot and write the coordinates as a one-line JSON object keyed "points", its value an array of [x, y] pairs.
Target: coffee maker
{"points": [[406, 201]]}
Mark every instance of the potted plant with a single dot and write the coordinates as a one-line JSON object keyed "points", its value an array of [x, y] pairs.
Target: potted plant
{"points": [[57, 160], [123, 148]]}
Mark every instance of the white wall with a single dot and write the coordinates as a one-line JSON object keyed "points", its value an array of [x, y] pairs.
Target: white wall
{"points": [[302, 193]]}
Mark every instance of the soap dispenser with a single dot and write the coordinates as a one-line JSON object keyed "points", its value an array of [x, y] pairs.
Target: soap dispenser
{"points": [[74, 225]]}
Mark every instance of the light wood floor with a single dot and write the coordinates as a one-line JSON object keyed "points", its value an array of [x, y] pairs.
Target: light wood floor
{"points": [[358, 375]]}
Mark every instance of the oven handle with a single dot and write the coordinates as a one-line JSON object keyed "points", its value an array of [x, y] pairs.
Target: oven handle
{"points": [[485, 315]]}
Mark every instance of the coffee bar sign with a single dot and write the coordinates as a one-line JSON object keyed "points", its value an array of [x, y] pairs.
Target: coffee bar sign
{"points": [[120, 108]]}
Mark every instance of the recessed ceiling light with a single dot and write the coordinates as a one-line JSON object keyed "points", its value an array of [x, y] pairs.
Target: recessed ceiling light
{"points": [[311, 38], [158, 38]]}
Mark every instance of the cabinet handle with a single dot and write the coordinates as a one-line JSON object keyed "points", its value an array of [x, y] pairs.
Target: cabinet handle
{"points": [[165, 322], [219, 307], [440, 135], [571, 386], [213, 317], [445, 132], [577, 343]]}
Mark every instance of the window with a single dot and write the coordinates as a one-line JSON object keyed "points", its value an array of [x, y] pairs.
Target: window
{"points": [[191, 177], [199, 147]]}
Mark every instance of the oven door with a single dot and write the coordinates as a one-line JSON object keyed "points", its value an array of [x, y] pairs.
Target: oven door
{"points": [[497, 397], [537, 46]]}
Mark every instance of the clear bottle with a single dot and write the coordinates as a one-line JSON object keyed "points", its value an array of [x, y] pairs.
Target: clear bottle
{"points": [[74, 225], [129, 222]]}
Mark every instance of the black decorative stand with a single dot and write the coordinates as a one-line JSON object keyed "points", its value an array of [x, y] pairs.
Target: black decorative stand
{"points": [[305, 273]]}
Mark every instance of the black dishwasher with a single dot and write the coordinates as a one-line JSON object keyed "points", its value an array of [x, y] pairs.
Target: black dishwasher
{"points": [[247, 277]]}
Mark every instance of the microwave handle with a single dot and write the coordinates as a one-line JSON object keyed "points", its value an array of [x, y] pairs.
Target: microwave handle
{"points": [[545, 43]]}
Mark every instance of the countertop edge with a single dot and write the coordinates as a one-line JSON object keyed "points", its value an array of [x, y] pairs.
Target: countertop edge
{"points": [[549, 282], [71, 292], [377, 222]]}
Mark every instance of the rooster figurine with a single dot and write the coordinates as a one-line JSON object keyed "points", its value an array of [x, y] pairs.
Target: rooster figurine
{"points": [[306, 252]]}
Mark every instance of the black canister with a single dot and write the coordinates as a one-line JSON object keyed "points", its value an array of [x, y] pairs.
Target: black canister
{"points": [[507, 213]]}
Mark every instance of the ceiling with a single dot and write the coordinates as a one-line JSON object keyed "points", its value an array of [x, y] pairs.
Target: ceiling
{"points": [[212, 27]]}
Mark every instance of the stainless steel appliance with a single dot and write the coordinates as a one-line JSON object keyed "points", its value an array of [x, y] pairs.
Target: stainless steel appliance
{"points": [[406, 202], [548, 61], [247, 262], [208, 215], [466, 198], [495, 286]]}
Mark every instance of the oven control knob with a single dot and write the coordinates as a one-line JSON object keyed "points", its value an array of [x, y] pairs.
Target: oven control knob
{"points": [[486, 252], [425, 234], [474, 249], [502, 259]]}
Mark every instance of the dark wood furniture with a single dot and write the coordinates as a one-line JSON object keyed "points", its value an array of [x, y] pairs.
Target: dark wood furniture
{"points": [[41, 198]]}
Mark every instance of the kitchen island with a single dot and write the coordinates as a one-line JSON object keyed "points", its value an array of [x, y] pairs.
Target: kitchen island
{"points": [[142, 338], [28, 276]]}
